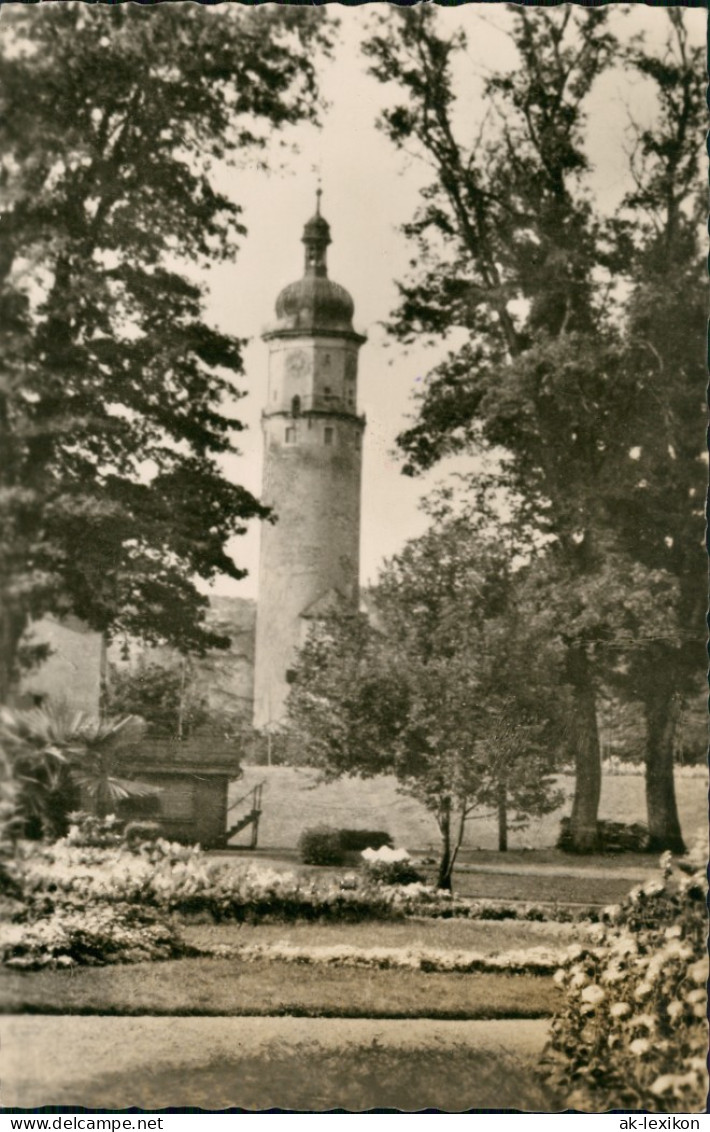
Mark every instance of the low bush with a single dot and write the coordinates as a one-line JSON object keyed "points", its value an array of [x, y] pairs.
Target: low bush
{"points": [[321, 845], [614, 837], [355, 840], [633, 1031]]}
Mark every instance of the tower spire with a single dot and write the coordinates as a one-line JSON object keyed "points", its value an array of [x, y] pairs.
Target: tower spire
{"points": [[316, 237]]}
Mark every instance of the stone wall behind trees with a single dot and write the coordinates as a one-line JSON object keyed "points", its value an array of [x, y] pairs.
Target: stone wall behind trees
{"points": [[74, 670], [223, 678]]}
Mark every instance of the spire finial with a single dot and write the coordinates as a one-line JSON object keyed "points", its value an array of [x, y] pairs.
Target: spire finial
{"points": [[319, 194]]}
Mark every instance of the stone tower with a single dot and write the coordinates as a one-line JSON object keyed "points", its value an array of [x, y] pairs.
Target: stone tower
{"points": [[312, 460]]}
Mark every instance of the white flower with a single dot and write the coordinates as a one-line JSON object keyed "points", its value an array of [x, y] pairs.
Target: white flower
{"points": [[385, 854], [611, 912], [698, 972], [645, 1020], [666, 862], [653, 887], [643, 990], [640, 1046], [698, 995], [675, 1008], [663, 1084], [620, 1010], [673, 933], [578, 980], [593, 994]]}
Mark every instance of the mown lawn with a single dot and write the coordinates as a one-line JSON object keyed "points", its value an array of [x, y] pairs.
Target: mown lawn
{"points": [[293, 802], [232, 987], [536, 889]]}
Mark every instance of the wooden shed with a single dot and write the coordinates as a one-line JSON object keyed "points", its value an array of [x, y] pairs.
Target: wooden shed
{"points": [[193, 777]]}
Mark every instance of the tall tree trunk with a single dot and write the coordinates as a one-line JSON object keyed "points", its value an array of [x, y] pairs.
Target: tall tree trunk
{"points": [[502, 817], [445, 862], [12, 626], [181, 698], [662, 712], [450, 850], [584, 828]]}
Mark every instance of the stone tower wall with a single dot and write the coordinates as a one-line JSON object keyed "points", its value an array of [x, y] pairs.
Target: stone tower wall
{"points": [[312, 471]]}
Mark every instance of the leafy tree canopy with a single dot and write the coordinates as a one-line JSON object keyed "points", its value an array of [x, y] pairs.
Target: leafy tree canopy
{"points": [[115, 393], [161, 694], [577, 336]]}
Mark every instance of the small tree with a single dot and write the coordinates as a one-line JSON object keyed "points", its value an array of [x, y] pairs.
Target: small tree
{"points": [[432, 694]]}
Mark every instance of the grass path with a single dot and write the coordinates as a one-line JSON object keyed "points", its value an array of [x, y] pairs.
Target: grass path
{"points": [[259, 1063]]}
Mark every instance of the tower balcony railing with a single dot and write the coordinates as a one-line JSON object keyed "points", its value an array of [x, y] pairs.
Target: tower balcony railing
{"points": [[314, 403]]}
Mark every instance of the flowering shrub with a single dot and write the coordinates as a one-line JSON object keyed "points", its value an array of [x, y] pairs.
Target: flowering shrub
{"points": [[137, 833], [91, 831], [389, 866], [633, 1031], [92, 936]]}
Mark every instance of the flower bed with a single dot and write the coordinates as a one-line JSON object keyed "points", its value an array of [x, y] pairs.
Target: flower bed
{"points": [[105, 903], [537, 961], [91, 937], [633, 1032], [175, 878]]}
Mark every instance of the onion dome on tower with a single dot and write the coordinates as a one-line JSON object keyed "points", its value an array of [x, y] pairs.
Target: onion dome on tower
{"points": [[315, 304]]}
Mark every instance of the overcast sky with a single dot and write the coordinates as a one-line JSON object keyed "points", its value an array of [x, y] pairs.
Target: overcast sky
{"points": [[369, 190]]}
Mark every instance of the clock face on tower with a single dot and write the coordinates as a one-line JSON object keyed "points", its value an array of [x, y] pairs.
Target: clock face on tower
{"points": [[297, 363]]}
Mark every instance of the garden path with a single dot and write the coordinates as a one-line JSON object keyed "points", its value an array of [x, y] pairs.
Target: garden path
{"points": [[307, 1064]]}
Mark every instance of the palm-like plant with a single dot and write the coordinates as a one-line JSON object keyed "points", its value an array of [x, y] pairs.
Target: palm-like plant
{"points": [[95, 760], [55, 751]]}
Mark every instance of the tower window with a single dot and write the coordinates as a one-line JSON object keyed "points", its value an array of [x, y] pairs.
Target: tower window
{"points": [[295, 406], [290, 435], [327, 436], [326, 391], [326, 360]]}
